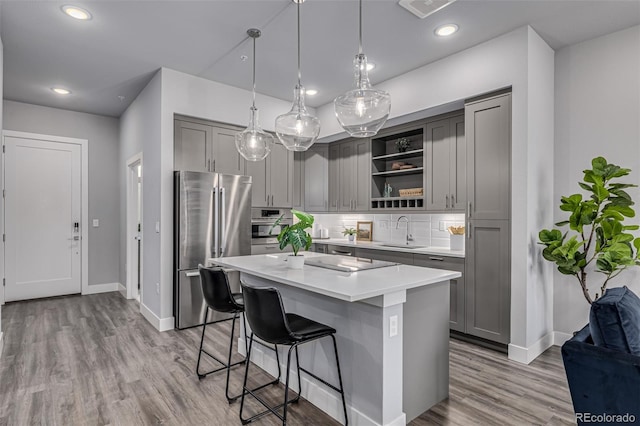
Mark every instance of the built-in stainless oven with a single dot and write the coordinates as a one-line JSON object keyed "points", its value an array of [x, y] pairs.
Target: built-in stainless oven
{"points": [[263, 232]]}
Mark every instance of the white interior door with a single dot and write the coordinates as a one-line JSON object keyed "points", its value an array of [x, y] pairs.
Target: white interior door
{"points": [[42, 218]]}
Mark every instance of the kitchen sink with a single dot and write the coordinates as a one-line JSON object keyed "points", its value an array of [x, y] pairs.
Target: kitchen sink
{"points": [[407, 246]]}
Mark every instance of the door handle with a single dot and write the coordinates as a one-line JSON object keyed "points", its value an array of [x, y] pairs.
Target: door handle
{"points": [[216, 221], [470, 230], [223, 223], [469, 214], [452, 201], [192, 274], [345, 253], [439, 259], [214, 166], [209, 165], [446, 197], [271, 200]]}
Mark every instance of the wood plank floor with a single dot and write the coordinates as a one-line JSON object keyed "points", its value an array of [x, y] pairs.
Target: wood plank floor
{"points": [[93, 360]]}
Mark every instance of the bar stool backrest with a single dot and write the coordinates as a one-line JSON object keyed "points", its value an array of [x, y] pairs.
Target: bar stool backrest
{"points": [[266, 315], [216, 290]]}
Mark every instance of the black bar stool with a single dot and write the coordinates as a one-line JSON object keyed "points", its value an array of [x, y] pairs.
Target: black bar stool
{"points": [[218, 297], [265, 312]]}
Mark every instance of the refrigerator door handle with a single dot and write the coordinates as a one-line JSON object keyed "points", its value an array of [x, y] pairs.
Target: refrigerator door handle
{"points": [[216, 221], [192, 274], [223, 223]]}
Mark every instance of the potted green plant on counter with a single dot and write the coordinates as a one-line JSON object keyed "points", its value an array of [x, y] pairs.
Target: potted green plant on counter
{"points": [[601, 242], [296, 236], [351, 232]]}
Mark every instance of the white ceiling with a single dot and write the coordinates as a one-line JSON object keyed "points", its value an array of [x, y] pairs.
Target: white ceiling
{"points": [[116, 53]]}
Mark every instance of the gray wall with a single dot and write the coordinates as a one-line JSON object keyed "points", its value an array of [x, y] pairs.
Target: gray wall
{"points": [[104, 201], [140, 132], [597, 112]]}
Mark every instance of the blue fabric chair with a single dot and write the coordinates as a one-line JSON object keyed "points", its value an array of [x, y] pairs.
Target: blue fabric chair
{"points": [[604, 380]]}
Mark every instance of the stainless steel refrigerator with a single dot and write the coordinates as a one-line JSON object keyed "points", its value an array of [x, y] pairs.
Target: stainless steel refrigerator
{"points": [[212, 218]]}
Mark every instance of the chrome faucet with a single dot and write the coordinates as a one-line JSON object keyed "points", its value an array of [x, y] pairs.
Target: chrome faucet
{"points": [[409, 237]]}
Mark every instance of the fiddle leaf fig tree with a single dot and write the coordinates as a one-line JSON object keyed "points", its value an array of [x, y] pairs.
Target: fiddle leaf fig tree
{"points": [[597, 238]]}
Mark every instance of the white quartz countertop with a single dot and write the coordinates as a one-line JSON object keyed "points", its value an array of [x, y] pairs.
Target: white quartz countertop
{"points": [[348, 286], [378, 245]]}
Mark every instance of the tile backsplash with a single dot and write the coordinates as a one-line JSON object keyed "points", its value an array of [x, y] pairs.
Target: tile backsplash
{"points": [[426, 229]]}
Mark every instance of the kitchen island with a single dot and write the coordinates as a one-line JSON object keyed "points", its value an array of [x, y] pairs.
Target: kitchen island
{"points": [[392, 330]]}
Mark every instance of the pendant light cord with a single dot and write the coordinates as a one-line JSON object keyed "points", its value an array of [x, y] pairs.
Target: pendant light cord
{"points": [[299, 72], [360, 26], [254, 73]]}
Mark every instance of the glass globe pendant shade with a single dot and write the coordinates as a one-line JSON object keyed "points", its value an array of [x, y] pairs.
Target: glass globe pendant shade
{"points": [[297, 129], [253, 143], [364, 110]]}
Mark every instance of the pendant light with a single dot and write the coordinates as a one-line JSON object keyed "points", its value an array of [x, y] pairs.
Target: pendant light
{"points": [[363, 110], [297, 129], [253, 143]]}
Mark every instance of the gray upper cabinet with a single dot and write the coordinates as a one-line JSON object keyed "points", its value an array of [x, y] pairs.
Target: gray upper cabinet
{"points": [[316, 179], [354, 175], [226, 158], [203, 147], [334, 175], [298, 181], [193, 145], [488, 131], [280, 174], [488, 280], [272, 179], [445, 174]]}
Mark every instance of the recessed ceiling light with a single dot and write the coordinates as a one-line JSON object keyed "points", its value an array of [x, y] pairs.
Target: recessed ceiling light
{"points": [[77, 12], [446, 30], [61, 91], [311, 92]]}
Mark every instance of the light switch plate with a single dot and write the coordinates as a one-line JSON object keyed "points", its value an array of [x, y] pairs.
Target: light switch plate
{"points": [[442, 226], [96, 223], [393, 326]]}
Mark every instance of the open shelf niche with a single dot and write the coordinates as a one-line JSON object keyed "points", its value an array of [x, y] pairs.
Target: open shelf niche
{"points": [[384, 154]]}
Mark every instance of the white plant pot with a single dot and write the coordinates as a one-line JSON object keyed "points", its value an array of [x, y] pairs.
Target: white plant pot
{"points": [[351, 238], [456, 242], [295, 262]]}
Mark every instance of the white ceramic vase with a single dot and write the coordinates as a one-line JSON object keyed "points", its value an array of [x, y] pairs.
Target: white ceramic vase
{"points": [[456, 242], [295, 262], [351, 238]]}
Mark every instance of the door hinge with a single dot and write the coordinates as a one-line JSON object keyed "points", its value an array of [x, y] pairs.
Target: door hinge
{"points": [[4, 282]]}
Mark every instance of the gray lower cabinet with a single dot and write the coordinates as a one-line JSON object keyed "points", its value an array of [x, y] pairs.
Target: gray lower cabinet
{"points": [[457, 287], [388, 256], [488, 280], [316, 179]]}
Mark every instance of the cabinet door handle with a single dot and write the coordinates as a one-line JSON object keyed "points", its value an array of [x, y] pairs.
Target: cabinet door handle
{"points": [[470, 230], [446, 201], [452, 201], [469, 210], [209, 165], [343, 253], [214, 166], [439, 259], [272, 201]]}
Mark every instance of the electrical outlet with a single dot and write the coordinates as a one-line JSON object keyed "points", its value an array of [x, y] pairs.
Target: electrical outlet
{"points": [[442, 225], [393, 326], [96, 223], [157, 288]]}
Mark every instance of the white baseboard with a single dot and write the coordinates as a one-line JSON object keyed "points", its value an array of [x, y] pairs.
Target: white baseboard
{"points": [[123, 290], [160, 324], [101, 288], [560, 337], [313, 391], [525, 355]]}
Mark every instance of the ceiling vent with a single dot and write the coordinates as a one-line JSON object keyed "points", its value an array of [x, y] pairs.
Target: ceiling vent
{"points": [[424, 8]]}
